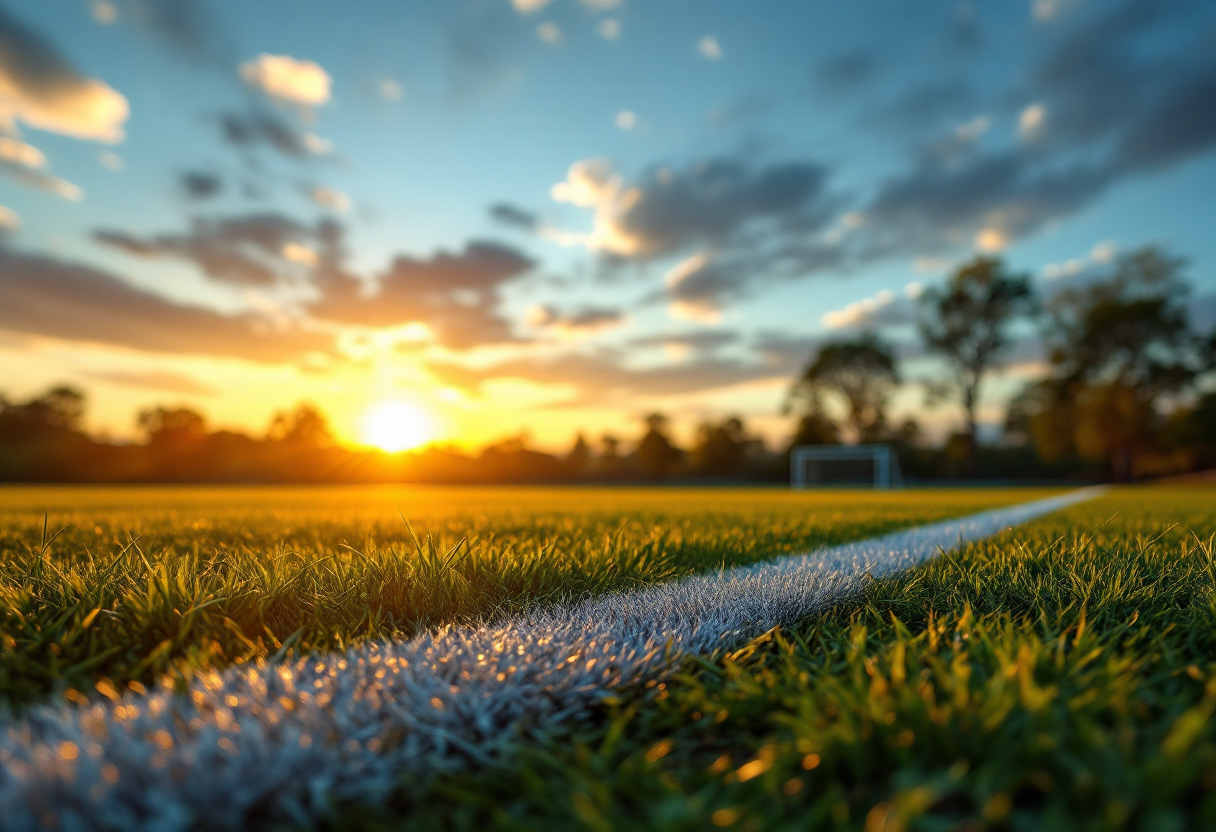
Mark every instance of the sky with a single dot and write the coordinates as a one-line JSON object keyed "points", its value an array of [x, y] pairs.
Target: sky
{"points": [[546, 216]]}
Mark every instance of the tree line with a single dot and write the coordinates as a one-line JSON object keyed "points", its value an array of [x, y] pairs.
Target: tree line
{"points": [[1127, 394]]}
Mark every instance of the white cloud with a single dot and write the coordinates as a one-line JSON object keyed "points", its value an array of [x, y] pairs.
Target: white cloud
{"points": [[289, 79], [296, 253], [529, 6], [600, 6], [991, 240], [592, 183], [65, 103], [972, 130], [110, 159], [104, 12], [884, 309], [610, 28], [626, 120], [1104, 252], [549, 32], [315, 144], [391, 89], [19, 153], [8, 218], [329, 198], [1031, 121], [709, 48], [1100, 255]]}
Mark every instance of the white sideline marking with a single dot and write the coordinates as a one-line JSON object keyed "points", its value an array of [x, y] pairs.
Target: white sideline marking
{"points": [[284, 741]]}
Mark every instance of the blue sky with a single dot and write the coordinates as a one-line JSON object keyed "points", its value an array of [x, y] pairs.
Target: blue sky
{"points": [[548, 216]]}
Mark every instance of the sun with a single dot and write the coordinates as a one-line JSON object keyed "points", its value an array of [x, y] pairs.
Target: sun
{"points": [[396, 426]]}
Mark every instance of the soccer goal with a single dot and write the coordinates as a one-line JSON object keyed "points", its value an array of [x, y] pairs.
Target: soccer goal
{"points": [[836, 466]]}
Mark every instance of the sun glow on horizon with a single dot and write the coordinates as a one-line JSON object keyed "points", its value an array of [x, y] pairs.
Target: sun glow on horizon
{"points": [[397, 426]]}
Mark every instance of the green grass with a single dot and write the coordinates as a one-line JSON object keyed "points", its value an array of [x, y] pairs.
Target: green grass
{"points": [[1062, 676], [130, 584]]}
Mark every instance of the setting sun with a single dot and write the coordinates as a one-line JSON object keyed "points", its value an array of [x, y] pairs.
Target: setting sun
{"points": [[396, 426]]}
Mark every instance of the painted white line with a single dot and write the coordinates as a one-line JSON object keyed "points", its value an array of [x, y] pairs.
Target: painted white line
{"points": [[286, 740]]}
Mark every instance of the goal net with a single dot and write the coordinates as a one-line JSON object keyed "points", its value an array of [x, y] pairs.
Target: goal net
{"points": [[836, 466]]}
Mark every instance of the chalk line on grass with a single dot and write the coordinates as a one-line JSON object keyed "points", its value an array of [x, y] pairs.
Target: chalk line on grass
{"points": [[286, 741]]}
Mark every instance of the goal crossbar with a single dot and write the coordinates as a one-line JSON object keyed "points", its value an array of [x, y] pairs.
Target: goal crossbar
{"points": [[812, 466]]}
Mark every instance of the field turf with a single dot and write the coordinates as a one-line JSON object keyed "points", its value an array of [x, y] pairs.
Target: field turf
{"points": [[1059, 676], [122, 586]]}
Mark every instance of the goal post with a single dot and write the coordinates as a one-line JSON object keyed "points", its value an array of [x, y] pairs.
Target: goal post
{"points": [[837, 466]]}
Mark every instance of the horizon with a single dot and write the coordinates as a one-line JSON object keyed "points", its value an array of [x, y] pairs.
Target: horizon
{"points": [[499, 217]]}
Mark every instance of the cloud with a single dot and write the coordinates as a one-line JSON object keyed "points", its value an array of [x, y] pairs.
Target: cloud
{"points": [[603, 377], [169, 382], [549, 32], [187, 28], [8, 219], [529, 6], [587, 320], [847, 72], [709, 48], [391, 89], [330, 198], [885, 309], [104, 12], [457, 296], [1032, 121], [288, 79], [200, 184], [706, 204], [514, 216], [41, 89], [252, 250], [48, 297], [261, 127], [42, 181], [626, 120], [610, 28], [110, 160], [679, 345]]}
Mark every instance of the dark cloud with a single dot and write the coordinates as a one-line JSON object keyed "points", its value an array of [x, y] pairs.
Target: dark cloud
{"points": [[1112, 108], [253, 250], [847, 72], [49, 297], [514, 216], [200, 184], [482, 44], [585, 319], [259, 127], [927, 105], [602, 377], [40, 180], [703, 340], [715, 202], [743, 110], [456, 295], [153, 380], [188, 28]]}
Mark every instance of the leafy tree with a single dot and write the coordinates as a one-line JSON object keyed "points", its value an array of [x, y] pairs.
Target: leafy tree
{"points": [[580, 455], [1119, 348], [723, 449], [175, 426], [967, 323], [59, 409], [656, 454], [861, 373], [306, 427]]}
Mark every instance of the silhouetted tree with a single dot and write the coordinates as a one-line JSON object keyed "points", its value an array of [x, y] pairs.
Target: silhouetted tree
{"points": [[656, 454], [722, 449], [967, 323], [1118, 348], [305, 426], [861, 373], [175, 426], [580, 455]]}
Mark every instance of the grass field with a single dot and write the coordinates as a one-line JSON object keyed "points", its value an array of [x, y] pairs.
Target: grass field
{"points": [[1060, 676], [128, 584]]}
